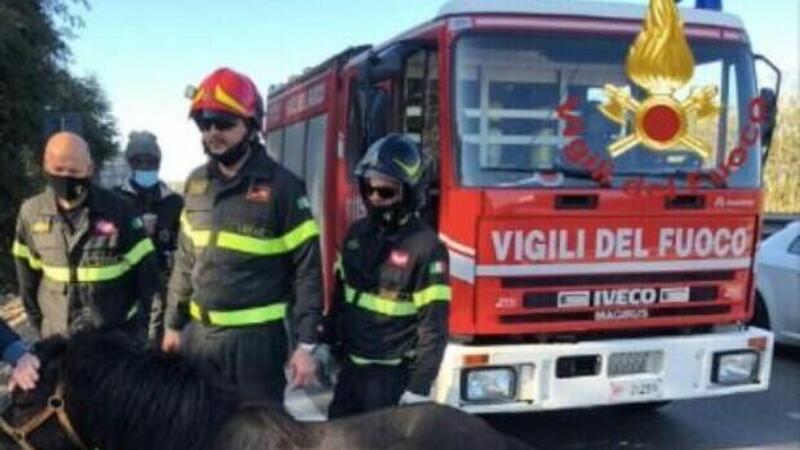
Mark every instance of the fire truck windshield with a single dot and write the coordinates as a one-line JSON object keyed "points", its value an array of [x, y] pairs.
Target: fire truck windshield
{"points": [[512, 94]]}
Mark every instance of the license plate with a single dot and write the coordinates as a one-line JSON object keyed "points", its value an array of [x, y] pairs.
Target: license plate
{"points": [[633, 363], [635, 390]]}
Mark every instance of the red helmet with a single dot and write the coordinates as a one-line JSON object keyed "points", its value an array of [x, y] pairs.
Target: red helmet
{"points": [[229, 92]]}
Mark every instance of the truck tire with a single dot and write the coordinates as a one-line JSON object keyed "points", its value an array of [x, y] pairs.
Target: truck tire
{"points": [[761, 315]]}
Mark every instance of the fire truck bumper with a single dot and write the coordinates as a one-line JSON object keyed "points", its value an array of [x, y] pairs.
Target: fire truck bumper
{"points": [[534, 377]]}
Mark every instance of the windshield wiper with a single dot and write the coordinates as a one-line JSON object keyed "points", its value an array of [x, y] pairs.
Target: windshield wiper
{"points": [[540, 176], [574, 172], [701, 175], [658, 173]]}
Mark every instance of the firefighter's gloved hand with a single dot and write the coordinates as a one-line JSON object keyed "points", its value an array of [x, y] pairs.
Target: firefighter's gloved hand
{"points": [[410, 398]]}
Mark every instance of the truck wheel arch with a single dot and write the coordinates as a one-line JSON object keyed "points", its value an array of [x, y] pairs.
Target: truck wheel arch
{"points": [[761, 313]]}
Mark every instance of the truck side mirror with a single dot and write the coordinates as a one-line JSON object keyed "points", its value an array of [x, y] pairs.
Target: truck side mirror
{"points": [[377, 68], [770, 100], [385, 64], [379, 107]]}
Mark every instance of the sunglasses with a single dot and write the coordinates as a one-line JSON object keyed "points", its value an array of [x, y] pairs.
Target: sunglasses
{"points": [[220, 123], [384, 192]]}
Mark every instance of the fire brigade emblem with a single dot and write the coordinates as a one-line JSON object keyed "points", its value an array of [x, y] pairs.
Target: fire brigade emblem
{"points": [[661, 62], [399, 259], [105, 227], [259, 193]]}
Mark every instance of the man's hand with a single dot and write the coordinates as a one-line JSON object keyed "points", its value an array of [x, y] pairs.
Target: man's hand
{"points": [[410, 398], [302, 369], [25, 373], [171, 342]]}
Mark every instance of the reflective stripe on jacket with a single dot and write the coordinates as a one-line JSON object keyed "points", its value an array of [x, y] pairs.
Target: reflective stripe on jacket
{"points": [[393, 298], [162, 206], [239, 317], [247, 243], [102, 273]]}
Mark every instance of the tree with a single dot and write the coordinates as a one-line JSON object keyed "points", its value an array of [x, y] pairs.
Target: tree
{"points": [[781, 171], [34, 80], [85, 96]]}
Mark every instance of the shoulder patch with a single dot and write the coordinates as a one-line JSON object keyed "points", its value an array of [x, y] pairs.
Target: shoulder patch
{"points": [[197, 187], [352, 244], [137, 223], [437, 268], [40, 227], [302, 203]]}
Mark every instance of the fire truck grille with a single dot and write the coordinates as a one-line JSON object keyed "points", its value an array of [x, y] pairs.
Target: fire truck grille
{"points": [[549, 299], [615, 279], [589, 316]]}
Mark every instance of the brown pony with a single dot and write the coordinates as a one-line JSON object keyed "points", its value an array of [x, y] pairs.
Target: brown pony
{"points": [[101, 391]]}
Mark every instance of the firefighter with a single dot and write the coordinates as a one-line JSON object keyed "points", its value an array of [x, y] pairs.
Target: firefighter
{"points": [[248, 253], [26, 364], [392, 300], [160, 209], [82, 258]]}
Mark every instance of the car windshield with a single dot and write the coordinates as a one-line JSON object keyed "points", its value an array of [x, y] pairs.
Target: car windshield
{"points": [[508, 90]]}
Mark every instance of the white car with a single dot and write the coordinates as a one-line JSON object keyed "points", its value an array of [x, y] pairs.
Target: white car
{"points": [[778, 285]]}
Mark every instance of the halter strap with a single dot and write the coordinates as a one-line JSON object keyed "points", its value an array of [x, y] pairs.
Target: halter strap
{"points": [[55, 405]]}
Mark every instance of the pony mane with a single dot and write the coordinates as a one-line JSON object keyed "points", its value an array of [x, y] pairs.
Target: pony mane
{"points": [[129, 398]]}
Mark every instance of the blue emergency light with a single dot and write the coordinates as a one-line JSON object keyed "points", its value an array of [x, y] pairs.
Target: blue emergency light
{"points": [[715, 5]]}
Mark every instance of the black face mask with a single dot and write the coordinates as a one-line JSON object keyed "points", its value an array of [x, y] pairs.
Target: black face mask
{"points": [[68, 188], [231, 156], [388, 217]]}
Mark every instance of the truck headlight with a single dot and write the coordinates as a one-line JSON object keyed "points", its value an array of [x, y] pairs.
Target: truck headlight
{"points": [[735, 367], [489, 384]]}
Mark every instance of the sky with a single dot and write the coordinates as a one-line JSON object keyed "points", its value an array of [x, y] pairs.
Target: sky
{"points": [[145, 53]]}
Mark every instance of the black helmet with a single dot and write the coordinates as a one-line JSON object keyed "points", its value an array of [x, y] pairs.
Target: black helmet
{"points": [[395, 156], [399, 158]]}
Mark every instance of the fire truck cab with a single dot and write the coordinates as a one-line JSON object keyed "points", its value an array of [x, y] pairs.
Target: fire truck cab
{"points": [[587, 267]]}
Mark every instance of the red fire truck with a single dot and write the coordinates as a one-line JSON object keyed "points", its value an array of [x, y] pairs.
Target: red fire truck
{"points": [[602, 276]]}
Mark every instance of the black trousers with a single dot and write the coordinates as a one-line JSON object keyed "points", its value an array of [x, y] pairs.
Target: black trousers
{"points": [[366, 388], [249, 359]]}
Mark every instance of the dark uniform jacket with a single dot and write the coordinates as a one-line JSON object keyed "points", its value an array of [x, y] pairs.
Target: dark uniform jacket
{"points": [[160, 209], [166, 206], [392, 299], [248, 250], [103, 274]]}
